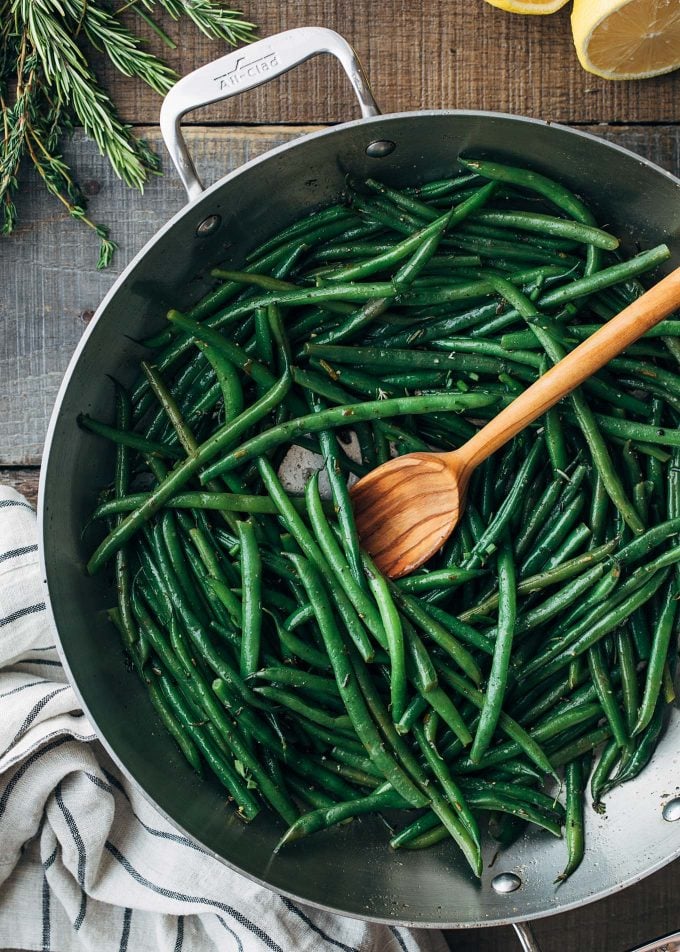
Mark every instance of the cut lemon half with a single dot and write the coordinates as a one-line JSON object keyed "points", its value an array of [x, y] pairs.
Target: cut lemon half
{"points": [[627, 39], [539, 7]]}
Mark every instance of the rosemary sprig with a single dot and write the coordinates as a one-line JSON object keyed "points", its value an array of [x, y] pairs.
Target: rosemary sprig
{"points": [[47, 88]]}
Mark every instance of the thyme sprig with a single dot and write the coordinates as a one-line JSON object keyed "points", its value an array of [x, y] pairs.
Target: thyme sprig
{"points": [[48, 87]]}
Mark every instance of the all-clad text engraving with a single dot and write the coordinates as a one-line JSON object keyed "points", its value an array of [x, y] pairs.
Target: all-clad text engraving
{"points": [[245, 70]]}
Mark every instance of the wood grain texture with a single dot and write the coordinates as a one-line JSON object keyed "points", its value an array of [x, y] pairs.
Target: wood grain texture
{"points": [[49, 285], [624, 921], [435, 55]]}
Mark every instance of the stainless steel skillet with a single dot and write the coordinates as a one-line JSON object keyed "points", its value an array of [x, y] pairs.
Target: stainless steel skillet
{"points": [[350, 870]]}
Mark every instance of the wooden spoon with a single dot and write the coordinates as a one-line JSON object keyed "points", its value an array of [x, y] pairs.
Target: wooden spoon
{"points": [[407, 508]]}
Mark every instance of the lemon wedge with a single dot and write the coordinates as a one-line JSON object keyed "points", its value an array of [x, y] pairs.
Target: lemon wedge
{"points": [[627, 39], [539, 7]]}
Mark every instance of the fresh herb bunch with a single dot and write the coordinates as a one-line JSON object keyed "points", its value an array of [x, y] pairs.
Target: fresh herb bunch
{"points": [[48, 87]]}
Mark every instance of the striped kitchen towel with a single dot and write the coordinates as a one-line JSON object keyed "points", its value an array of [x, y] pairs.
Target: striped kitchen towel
{"points": [[85, 861]]}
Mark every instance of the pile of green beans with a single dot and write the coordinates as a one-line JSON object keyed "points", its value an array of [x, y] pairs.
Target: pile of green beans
{"points": [[536, 651]]}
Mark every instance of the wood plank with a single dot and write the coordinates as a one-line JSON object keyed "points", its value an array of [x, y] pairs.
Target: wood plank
{"points": [[417, 56], [626, 920], [51, 286]]}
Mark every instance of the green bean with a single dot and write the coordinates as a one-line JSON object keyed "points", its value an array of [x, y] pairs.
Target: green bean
{"points": [[325, 817], [165, 534], [196, 499], [386, 725], [495, 248], [629, 684], [490, 800], [632, 430], [554, 192], [554, 440], [227, 730], [545, 224], [468, 345], [598, 511], [358, 761], [252, 598], [396, 253], [597, 595], [128, 438], [165, 398], [413, 711], [575, 780], [606, 696], [580, 746], [343, 416], [378, 357], [582, 287], [294, 677], [651, 539], [228, 379], [309, 795], [311, 222], [309, 767], [609, 757], [449, 578], [532, 706], [495, 689], [301, 649], [343, 507], [296, 704], [657, 658], [421, 667], [394, 635], [574, 541], [409, 834], [557, 727], [339, 566]]}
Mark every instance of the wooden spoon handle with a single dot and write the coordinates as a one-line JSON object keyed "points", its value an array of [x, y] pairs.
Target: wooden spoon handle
{"points": [[607, 342]]}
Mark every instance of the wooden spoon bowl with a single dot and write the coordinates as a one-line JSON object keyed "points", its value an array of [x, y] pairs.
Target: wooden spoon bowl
{"points": [[394, 528]]}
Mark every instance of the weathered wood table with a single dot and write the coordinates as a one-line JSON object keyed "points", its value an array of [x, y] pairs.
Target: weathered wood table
{"points": [[434, 55]]}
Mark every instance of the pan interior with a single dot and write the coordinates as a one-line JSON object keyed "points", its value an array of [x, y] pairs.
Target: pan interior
{"points": [[350, 869]]}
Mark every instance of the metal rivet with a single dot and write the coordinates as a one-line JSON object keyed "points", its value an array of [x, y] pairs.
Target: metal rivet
{"points": [[671, 810], [380, 148], [506, 882], [209, 225]]}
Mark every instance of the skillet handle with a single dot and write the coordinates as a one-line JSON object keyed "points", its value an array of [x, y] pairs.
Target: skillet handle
{"points": [[247, 68], [669, 943], [526, 937]]}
